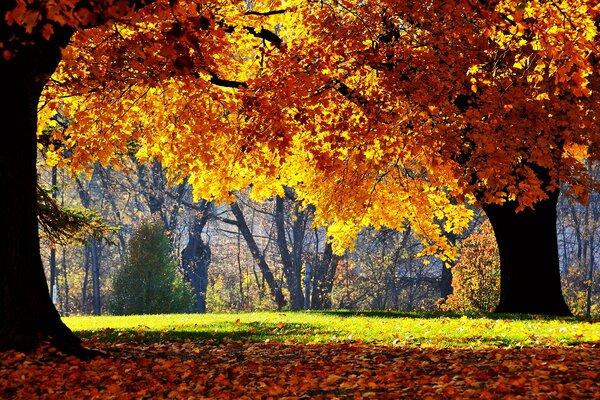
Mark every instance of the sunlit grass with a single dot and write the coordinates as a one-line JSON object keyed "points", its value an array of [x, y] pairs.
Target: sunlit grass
{"points": [[382, 328]]}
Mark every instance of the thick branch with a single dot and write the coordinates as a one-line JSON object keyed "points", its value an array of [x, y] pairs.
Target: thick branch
{"points": [[264, 34], [215, 80], [265, 13]]}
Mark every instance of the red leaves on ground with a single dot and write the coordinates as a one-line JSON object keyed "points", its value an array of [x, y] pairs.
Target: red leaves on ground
{"points": [[238, 370]]}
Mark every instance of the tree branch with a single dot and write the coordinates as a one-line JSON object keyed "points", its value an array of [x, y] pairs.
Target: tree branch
{"points": [[265, 13], [215, 80]]}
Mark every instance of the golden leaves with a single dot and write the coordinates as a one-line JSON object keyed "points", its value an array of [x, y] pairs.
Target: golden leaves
{"points": [[374, 121]]}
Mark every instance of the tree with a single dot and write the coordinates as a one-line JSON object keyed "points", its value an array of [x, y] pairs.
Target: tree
{"points": [[476, 277], [149, 282], [384, 271], [291, 256], [32, 35], [578, 228], [242, 225], [471, 99], [196, 256]]}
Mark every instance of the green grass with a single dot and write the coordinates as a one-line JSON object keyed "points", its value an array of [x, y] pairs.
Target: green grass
{"points": [[380, 328]]}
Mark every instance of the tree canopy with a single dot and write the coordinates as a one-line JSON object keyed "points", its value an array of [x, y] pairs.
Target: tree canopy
{"points": [[375, 112]]}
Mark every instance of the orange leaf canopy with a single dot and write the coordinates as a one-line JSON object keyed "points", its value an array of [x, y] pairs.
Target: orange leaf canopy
{"points": [[379, 113]]}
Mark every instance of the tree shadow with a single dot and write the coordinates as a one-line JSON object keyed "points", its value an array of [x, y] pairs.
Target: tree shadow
{"points": [[439, 314], [251, 332]]}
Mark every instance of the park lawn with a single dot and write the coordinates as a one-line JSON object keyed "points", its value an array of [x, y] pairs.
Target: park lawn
{"points": [[435, 330], [315, 355]]}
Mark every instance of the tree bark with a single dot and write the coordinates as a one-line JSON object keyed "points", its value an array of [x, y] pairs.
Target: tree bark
{"points": [[195, 259], [291, 260], [529, 262], [324, 271], [446, 288], [27, 314]]}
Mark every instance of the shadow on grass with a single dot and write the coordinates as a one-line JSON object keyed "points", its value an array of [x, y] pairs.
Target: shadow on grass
{"points": [[440, 314], [251, 332]]}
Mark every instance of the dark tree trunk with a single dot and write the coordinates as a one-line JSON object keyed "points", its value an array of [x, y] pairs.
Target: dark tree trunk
{"points": [[92, 254], [529, 262], [94, 248], [195, 259], [446, 288], [291, 260], [27, 314], [323, 276]]}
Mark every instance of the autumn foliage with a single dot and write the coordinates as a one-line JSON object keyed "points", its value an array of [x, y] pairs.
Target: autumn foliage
{"points": [[476, 276], [407, 106]]}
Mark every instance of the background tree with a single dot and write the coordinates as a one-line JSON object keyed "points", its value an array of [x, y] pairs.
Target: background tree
{"points": [[385, 271], [578, 228], [196, 256], [476, 277], [149, 283]]}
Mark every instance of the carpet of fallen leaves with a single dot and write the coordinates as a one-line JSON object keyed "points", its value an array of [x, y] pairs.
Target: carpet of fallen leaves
{"points": [[272, 370]]}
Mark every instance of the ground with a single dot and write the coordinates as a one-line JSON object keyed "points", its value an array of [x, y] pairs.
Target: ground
{"points": [[240, 358]]}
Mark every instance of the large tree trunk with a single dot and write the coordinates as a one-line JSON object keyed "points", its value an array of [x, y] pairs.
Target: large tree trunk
{"points": [[529, 262], [27, 314]]}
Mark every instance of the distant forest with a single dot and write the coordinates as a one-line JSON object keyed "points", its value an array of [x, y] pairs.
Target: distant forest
{"points": [[247, 256]]}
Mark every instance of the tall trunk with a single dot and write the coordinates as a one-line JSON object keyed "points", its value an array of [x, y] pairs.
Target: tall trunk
{"points": [[257, 255], [95, 259], [27, 314], [590, 277], [92, 256], [86, 275], [323, 276], [65, 303], [292, 261], [195, 259], [307, 284], [529, 262]]}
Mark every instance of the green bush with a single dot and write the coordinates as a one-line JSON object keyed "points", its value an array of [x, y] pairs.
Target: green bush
{"points": [[149, 282]]}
